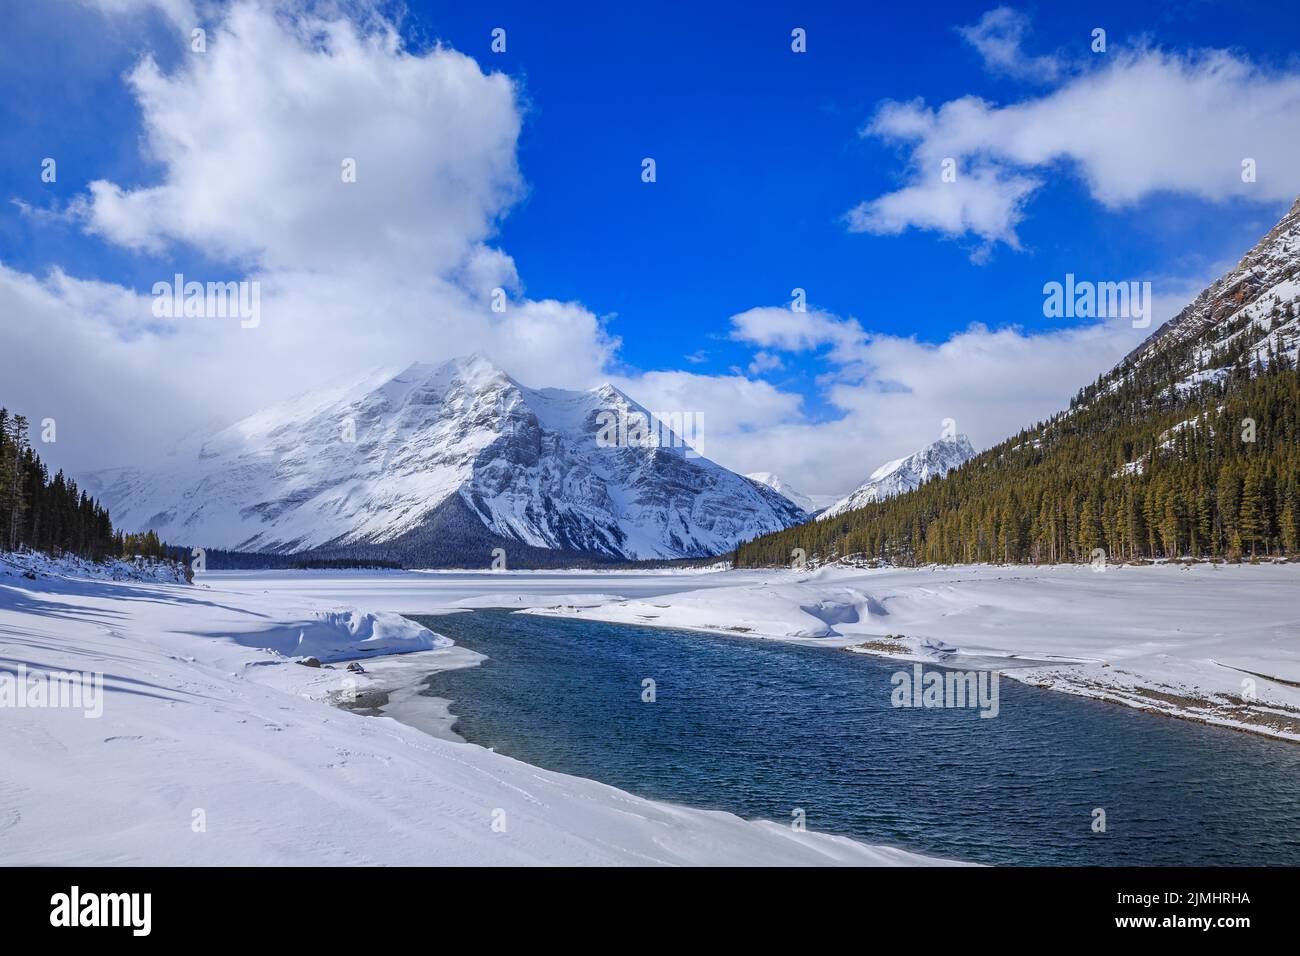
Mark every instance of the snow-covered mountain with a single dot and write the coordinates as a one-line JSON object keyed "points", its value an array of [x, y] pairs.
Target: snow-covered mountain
{"points": [[1246, 312], [904, 474], [440, 464], [809, 503]]}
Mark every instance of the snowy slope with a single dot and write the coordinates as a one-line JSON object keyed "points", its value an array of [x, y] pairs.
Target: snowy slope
{"points": [[1247, 310], [210, 750], [904, 474], [397, 460], [809, 503]]}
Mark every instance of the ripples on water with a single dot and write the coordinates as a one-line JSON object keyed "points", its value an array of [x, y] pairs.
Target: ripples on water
{"points": [[761, 727]]}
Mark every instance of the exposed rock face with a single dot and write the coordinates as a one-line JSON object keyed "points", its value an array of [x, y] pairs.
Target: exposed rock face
{"points": [[1264, 284]]}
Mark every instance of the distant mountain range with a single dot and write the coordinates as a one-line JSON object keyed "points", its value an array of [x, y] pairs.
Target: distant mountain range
{"points": [[904, 474], [812, 504], [438, 466]]}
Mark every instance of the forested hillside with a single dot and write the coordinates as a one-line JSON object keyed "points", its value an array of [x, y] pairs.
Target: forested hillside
{"points": [[52, 514], [1190, 447]]}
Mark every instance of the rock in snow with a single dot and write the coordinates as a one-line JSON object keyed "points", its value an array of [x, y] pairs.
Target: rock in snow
{"points": [[439, 465]]}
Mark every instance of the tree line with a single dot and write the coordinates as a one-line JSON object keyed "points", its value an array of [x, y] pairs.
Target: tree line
{"points": [[51, 514], [1146, 464]]}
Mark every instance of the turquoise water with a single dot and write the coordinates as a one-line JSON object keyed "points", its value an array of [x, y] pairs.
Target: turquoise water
{"points": [[761, 728]]}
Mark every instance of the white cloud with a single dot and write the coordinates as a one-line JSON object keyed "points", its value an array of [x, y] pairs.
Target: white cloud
{"points": [[986, 201], [253, 135], [772, 327], [890, 394], [736, 410], [249, 138], [1132, 124], [765, 362], [181, 13], [998, 37]]}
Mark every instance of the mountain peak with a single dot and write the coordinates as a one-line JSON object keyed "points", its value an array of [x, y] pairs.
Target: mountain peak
{"points": [[904, 474], [473, 365], [806, 502], [438, 465], [611, 392], [1242, 300]]}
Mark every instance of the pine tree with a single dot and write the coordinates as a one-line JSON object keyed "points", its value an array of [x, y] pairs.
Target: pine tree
{"points": [[17, 442], [1252, 521], [41, 513]]}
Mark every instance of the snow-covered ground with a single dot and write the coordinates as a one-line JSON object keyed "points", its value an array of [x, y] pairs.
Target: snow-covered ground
{"points": [[1218, 643], [213, 746], [420, 592]]}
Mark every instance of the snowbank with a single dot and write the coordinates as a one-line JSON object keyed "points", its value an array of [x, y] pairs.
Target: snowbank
{"points": [[426, 592], [31, 564], [342, 635]]}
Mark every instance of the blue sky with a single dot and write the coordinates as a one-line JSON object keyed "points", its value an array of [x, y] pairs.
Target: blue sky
{"points": [[759, 158], [761, 155]]}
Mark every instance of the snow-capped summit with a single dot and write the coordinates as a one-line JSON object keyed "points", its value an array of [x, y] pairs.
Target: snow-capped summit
{"points": [[904, 474], [809, 503], [439, 464]]}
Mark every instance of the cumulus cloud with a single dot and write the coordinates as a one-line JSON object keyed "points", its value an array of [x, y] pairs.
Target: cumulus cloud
{"points": [[888, 395], [249, 140], [735, 410], [773, 327], [986, 201], [1129, 124], [253, 136]]}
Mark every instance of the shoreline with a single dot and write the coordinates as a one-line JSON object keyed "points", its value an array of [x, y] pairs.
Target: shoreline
{"points": [[402, 701], [213, 726], [980, 616], [394, 690], [1148, 697], [1288, 733]]}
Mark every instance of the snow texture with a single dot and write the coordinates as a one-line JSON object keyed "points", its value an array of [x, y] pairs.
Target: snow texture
{"points": [[212, 750]]}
